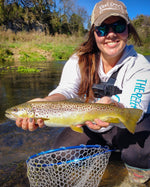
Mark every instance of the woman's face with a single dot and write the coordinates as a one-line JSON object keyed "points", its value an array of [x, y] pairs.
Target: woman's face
{"points": [[113, 44]]}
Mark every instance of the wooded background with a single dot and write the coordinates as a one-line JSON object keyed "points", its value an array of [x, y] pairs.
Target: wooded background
{"points": [[65, 17], [48, 22], [51, 16]]}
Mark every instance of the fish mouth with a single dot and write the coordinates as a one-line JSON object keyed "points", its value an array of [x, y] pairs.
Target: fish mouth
{"points": [[10, 116]]}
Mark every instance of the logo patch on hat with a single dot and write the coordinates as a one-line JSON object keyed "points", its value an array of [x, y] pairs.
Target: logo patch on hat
{"points": [[111, 6]]}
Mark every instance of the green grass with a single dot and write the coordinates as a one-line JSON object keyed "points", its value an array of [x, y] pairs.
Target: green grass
{"points": [[143, 50], [27, 56], [59, 51], [22, 69], [45, 46], [14, 45], [62, 52]]}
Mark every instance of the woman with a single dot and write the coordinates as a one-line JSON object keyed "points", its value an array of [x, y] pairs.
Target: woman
{"points": [[104, 53]]}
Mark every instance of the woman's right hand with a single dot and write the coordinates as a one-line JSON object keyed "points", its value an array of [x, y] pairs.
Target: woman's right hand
{"points": [[29, 123]]}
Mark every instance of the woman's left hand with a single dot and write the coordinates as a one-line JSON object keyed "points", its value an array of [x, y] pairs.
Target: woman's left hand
{"points": [[97, 122], [97, 125]]}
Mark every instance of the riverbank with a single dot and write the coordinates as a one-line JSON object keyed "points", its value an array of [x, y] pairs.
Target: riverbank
{"points": [[27, 48]]}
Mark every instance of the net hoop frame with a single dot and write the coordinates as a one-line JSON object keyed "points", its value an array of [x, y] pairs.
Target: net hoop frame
{"points": [[106, 150]]}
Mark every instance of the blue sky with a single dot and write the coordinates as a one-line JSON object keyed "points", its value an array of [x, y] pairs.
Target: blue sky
{"points": [[134, 7]]}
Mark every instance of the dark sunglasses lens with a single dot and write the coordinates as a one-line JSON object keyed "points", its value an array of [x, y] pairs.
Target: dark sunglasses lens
{"points": [[101, 30], [120, 27]]}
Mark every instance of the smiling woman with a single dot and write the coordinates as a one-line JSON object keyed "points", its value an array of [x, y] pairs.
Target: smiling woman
{"points": [[106, 60]]}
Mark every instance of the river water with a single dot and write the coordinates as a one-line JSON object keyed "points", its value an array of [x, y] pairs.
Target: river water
{"points": [[16, 145]]}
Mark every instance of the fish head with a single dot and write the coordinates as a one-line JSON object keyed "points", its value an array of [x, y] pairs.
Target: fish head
{"points": [[20, 111]]}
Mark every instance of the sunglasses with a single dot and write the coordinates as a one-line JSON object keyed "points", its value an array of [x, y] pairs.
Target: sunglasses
{"points": [[118, 27]]}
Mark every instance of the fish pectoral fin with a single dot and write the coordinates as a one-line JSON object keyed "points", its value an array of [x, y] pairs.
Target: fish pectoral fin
{"points": [[77, 129]]}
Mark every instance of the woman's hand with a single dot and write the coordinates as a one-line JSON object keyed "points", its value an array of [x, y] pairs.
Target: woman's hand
{"points": [[98, 124], [108, 100], [29, 123]]}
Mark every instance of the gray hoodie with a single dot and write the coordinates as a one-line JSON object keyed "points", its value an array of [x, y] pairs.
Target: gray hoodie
{"points": [[133, 79]]}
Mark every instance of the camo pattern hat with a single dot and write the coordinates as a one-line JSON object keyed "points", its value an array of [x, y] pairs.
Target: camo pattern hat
{"points": [[107, 8]]}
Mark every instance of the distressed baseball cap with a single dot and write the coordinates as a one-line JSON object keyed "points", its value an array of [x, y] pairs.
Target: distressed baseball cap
{"points": [[106, 8]]}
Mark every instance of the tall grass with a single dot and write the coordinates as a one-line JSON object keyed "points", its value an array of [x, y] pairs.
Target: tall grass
{"points": [[27, 47]]}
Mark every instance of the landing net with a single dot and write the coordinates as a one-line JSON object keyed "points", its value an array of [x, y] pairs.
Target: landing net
{"points": [[77, 166]]}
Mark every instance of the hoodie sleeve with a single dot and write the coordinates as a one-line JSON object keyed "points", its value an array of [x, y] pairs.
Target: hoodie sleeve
{"points": [[136, 86], [70, 79]]}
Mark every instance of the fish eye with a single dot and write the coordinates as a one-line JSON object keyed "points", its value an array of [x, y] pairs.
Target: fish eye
{"points": [[15, 110]]}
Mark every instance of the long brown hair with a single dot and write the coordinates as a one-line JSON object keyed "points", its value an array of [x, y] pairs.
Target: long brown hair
{"points": [[89, 56], [89, 59]]}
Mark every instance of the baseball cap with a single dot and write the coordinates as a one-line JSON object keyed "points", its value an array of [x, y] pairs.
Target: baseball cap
{"points": [[107, 8]]}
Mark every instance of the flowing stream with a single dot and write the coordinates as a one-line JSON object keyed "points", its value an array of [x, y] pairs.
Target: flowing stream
{"points": [[16, 145]]}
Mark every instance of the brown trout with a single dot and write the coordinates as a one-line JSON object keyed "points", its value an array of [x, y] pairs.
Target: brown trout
{"points": [[63, 113]]}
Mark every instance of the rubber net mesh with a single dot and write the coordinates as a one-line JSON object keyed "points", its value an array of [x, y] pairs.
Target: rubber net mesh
{"points": [[68, 167]]}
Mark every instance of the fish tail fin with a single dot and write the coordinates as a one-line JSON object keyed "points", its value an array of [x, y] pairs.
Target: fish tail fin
{"points": [[132, 116]]}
